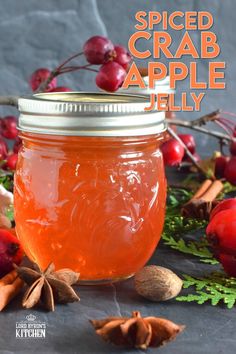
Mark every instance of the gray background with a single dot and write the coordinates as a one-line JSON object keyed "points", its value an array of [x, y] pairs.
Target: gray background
{"points": [[42, 33]]}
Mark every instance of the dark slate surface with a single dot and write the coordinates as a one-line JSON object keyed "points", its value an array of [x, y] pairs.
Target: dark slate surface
{"points": [[209, 329]]}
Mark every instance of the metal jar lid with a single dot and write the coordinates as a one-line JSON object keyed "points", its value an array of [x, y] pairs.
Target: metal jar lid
{"points": [[89, 114]]}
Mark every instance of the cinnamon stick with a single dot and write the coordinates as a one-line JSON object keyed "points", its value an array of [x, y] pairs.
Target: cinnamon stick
{"points": [[202, 202], [9, 278], [8, 292], [10, 286], [202, 189], [212, 192]]}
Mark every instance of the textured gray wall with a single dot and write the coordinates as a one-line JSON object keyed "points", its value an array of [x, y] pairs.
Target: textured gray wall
{"points": [[42, 33]]}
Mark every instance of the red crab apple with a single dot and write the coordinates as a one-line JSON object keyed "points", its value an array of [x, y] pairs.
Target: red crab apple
{"points": [[173, 152], [230, 170], [10, 252], [97, 49], [39, 76], [122, 56], [110, 76], [17, 145], [8, 126], [3, 149], [220, 165], [221, 234], [224, 205], [11, 161], [232, 148], [189, 141]]}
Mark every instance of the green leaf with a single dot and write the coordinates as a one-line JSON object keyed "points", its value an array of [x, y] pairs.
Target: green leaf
{"points": [[176, 227], [216, 288], [6, 179], [10, 213]]}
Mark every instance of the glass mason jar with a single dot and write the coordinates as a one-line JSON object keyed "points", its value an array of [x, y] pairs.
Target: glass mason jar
{"points": [[90, 187]]}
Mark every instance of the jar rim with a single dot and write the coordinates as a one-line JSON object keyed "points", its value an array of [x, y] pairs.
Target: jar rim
{"points": [[89, 114]]}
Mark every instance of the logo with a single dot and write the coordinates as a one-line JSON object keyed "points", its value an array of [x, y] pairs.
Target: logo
{"points": [[31, 327]]}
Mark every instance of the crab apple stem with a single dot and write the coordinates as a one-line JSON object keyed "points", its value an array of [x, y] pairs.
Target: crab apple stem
{"points": [[42, 87], [9, 100], [190, 155], [68, 69], [223, 127], [62, 70], [206, 118], [229, 113], [189, 125], [68, 60]]}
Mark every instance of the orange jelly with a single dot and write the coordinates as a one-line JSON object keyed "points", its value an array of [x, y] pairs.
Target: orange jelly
{"points": [[94, 204]]}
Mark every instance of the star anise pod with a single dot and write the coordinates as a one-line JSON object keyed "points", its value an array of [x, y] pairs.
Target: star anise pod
{"points": [[136, 331], [48, 286], [198, 209]]}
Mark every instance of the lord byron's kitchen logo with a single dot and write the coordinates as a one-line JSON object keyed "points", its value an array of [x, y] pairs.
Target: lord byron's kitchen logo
{"points": [[30, 328]]}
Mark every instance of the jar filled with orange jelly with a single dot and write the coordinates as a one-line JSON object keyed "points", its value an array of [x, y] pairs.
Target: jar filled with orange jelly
{"points": [[90, 187]]}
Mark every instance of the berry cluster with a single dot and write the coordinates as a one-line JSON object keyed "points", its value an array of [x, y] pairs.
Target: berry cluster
{"points": [[173, 152], [8, 130], [41, 75], [221, 234], [97, 50], [11, 252], [225, 166], [114, 61]]}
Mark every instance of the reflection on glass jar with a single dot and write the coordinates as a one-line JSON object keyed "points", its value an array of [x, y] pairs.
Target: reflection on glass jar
{"points": [[93, 203]]}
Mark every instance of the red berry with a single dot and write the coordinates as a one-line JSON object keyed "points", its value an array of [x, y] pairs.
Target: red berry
{"points": [[220, 165], [110, 76], [10, 252], [9, 127], [97, 49], [223, 205], [61, 89], [3, 149], [232, 148], [17, 145], [39, 76], [173, 152], [195, 155], [221, 234], [122, 56], [11, 161], [230, 171], [189, 141], [228, 262]]}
